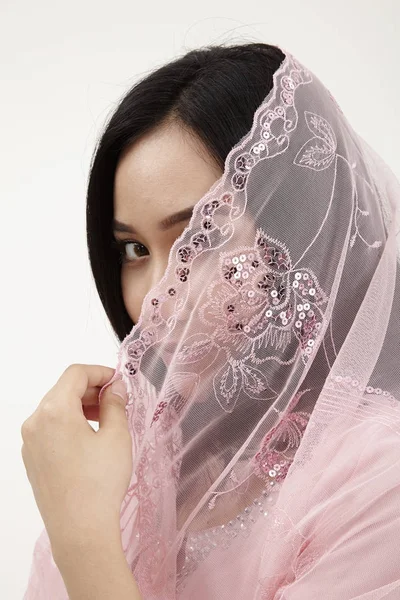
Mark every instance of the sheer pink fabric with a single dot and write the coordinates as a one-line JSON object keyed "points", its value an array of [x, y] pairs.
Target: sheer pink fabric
{"points": [[263, 376]]}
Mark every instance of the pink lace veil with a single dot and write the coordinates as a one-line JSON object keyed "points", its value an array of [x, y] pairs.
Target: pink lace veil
{"points": [[263, 375]]}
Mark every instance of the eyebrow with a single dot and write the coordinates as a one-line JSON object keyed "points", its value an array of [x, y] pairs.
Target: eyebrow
{"points": [[167, 223]]}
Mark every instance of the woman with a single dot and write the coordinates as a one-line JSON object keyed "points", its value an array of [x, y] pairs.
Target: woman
{"points": [[258, 315]]}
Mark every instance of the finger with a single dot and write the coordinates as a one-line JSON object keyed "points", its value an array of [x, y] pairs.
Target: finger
{"points": [[77, 379], [112, 414], [91, 396]]}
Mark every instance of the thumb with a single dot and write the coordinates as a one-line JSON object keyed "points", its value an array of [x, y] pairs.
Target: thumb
{"points": [[112, 412]]}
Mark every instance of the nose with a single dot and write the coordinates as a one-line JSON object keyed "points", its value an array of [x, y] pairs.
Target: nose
{"points": [[156, 271]]}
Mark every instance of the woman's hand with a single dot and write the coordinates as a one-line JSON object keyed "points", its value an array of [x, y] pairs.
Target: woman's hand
{"points": [[79, 476]]}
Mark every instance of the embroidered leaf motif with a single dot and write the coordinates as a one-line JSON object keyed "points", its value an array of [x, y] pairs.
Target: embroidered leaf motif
{"points": [[227, 385], [320, 128], [255, 383], [194, 348], [318, 152]]}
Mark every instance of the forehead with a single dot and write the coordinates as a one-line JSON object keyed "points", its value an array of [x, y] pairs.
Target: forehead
{"points": [[167, 169]]}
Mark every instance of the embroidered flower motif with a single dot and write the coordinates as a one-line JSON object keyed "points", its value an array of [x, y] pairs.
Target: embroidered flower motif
{"points": [[239, 181], [182, 273], [185, 254], [262, 300], [245, 162], [135, 349], [277, 450], [198, 240]]}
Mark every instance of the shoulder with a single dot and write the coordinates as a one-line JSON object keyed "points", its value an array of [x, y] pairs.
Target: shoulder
{"points": [[351, 526]]}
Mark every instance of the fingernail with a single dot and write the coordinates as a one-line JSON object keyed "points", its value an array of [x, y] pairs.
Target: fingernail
{"points": [[119, 388]]}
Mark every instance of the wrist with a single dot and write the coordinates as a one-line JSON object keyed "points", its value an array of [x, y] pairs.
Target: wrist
{"points": [[95, 569], [80, 543]]}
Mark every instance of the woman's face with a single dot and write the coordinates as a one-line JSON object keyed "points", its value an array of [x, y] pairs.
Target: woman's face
{"points": [[164, 173]]}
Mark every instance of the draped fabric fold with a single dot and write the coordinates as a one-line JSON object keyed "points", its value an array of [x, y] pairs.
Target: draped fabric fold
{"points": [[263, 376]]}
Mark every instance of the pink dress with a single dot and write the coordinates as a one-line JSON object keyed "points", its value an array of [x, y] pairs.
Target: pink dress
{"points": [[344, 547]]}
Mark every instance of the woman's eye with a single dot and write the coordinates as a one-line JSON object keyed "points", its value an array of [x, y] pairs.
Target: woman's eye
{"points": [[121, 245]]}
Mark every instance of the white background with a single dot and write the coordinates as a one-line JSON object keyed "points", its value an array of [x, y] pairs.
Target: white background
{"points": [[64, 66]]}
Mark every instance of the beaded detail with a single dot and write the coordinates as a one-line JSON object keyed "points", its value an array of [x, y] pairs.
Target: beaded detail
{"points": [[199, 545], [354, 383]]}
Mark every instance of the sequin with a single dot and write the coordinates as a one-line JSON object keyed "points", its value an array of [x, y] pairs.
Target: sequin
{"points": [[298, 324], [245, 275], [182, 273], [251, 293], [298, 275], [185, 254], [295, 284], [274, 293], [312, 291], [268, 313], [242, 258], [235, 260], [226, 198], [237, 275]]}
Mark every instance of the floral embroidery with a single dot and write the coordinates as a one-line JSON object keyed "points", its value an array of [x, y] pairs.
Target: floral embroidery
{"points": [[319, 152], [263, 300], [260, 307], [287, 435]]}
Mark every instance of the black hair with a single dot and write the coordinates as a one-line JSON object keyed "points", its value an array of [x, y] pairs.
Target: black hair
{"points": [[213, 92]]}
